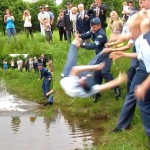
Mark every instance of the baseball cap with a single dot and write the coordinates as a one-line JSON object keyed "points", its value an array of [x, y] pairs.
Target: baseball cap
{"points": [[95, 21]]}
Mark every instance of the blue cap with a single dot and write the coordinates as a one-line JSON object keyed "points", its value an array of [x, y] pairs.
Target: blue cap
{"points": [[95, 21]]}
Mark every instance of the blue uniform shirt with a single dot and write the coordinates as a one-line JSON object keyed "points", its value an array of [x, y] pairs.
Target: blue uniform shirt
{"points": [[99, 39], [45, 73]]}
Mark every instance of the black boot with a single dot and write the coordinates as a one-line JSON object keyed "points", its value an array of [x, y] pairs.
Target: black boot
{"points": [[47, 103], [96, 97], [117, 92]]}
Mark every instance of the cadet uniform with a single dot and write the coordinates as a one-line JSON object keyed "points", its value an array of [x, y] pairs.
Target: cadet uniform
{"points": [[47, 80], [142, 45], [99, 39]]}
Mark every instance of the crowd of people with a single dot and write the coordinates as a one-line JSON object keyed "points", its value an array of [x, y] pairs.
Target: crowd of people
{"points": [[90, 25], [45, 18], [70, 21], [40, 65], [80, 81]]}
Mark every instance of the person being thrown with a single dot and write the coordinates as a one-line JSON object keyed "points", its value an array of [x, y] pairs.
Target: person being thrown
{"points": [[77, 81]]}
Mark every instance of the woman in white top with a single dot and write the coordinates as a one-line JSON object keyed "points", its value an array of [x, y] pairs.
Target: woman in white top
{"points": [[27, 23], [12, 63], [73, 18]]}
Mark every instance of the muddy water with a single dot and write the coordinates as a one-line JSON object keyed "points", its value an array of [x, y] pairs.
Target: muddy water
{"points": [[22, 129]]}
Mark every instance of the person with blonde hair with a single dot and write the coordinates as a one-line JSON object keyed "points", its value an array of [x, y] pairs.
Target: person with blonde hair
{"points": [[73, 18], [115, 25], [27, 23]]}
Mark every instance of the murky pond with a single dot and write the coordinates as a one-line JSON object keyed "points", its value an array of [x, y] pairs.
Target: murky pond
{"points": [[22, 129]]}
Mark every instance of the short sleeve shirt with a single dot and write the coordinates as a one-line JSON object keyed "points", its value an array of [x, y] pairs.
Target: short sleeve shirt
{"points": [[143, 50]]}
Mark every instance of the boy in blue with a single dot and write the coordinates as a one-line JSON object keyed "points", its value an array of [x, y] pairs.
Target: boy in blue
{"points": [[99, 39], [47, 78]]}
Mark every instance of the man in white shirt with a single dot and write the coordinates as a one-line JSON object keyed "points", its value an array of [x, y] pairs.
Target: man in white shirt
{"points": [[41, 16]]}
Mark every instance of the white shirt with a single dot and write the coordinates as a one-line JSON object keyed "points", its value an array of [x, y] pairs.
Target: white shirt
{"points": [[27, 21], [43, 15], [125, 29], [72, 87], [143, 50]]}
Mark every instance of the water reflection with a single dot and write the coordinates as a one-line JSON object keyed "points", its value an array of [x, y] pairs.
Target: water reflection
{"points": [[24, 130], [58, 133], [15, 123]]}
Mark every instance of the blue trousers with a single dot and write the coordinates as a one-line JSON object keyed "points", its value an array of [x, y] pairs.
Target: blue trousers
{"points": [[11, 32], [51, 99], [105, 72], [46, 86], [131, 71], [72, 61], [129, 105], [128, 108]]}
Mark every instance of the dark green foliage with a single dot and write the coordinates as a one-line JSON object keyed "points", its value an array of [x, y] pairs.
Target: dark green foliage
{"points": [[18, 6], [111, 4]]}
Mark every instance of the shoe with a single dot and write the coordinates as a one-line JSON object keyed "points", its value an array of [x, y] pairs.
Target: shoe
{"points": [[96, 97], [47, 103], [116, 130], [117, 92]]}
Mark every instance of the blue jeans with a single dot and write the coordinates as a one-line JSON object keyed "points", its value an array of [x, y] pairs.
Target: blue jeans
{"points": [[11, 32], [128, 108]]}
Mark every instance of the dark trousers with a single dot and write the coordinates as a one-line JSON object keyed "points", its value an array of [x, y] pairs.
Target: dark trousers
{"points": [[128, 108], [62, 33], [105, 72], [72, 61], [68, 34], [46, 86], [48, 36], [28, 31]]}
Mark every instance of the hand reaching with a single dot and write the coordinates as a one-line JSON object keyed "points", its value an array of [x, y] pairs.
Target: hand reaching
{"points": [[116, 55]]}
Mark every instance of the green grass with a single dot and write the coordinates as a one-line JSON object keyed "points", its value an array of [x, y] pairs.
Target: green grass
{"points": [[107, 109]]}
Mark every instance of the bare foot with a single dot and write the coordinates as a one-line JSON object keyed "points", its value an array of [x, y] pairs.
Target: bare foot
{"points": [[122, 78]]}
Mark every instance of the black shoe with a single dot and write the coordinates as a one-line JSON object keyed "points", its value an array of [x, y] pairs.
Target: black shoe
{"points": [[116, 130], [117, 92], [47, 103], [96, 97]]}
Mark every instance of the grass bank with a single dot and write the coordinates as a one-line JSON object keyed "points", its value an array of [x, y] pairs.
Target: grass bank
{"points": [[107, 108]]}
